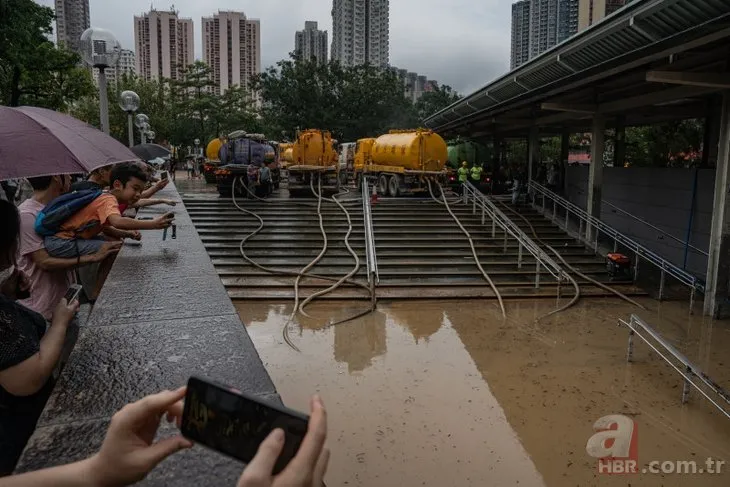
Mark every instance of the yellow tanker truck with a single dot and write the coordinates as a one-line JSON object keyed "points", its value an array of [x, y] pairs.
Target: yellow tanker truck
{"points": [[313, 153], [402, 161]]}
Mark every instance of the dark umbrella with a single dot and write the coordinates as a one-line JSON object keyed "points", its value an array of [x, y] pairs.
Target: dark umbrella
{"points": [[39, 142], [147, 152]]}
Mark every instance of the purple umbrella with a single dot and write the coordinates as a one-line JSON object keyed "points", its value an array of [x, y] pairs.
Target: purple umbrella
{"points": [[39, 142]]}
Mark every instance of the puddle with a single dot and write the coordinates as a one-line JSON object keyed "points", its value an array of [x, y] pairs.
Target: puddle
{"points": [[447, 393]]}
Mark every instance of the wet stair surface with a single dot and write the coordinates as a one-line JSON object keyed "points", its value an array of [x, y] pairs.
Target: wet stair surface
{"points": [[421, 252]]}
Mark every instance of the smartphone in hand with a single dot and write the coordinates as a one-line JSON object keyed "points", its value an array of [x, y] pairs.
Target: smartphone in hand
{"points": [[235, 424], [164, 175], [72, 294]]}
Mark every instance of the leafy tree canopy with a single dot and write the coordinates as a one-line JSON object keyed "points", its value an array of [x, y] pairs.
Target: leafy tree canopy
{"points": [[32, 70]]}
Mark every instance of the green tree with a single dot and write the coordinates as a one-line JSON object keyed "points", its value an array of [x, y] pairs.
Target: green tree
{"points": [[435, 101], [672, 144], [351, 102], [32, 70]]}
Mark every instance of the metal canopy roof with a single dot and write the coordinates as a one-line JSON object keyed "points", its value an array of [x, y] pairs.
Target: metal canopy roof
{"points": [[605, 69]]}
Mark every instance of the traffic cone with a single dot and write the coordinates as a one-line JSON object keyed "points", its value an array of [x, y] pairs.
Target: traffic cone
{"points": [[374, 196]]}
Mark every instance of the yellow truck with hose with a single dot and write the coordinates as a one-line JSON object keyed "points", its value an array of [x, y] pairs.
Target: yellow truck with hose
{"points": [[313, 155], [402, 161]]}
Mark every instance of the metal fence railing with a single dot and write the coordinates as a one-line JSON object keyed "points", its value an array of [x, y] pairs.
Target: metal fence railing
{"points": [[370, 254], [688, 370], [591, 229], [510, 229]]}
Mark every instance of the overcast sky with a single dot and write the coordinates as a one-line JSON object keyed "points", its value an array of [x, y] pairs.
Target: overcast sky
{"points": [[462, 43]]}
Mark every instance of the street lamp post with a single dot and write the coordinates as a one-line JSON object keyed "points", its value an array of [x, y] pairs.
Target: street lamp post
{"points": [[129, 102], [142, 122], [100, 50], [197, 143]]}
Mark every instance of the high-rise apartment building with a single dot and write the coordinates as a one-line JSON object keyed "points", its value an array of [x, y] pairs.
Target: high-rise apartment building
{"points": [[231, 48], [164, 44], [311, 43], [414, 85], [520, 33], [125, 66], [592, 11], [538, 25], [72, 19], [361, 32]]}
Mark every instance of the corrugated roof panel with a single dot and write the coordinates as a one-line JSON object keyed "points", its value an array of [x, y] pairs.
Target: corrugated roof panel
{"points": [[507, 92], [604, 42], [547, 74]]}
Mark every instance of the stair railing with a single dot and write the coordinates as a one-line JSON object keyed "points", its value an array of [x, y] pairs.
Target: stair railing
{"points": [[524, 243], [370, 254], [681, 364], [591, 228]]}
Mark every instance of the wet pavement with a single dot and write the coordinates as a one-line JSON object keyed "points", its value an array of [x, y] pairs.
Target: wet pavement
{"points": [[445, 393], [448, 393]]}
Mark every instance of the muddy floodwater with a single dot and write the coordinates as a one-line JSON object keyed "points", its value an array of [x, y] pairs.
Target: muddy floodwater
{"points": [[450, 394]]}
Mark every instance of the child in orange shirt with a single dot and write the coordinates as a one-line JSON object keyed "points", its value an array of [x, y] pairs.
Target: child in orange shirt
{"points": [[80, 234]]}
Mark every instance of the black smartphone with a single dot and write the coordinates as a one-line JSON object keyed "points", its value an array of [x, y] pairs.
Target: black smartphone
{"points": [[235, 423], [164, 175], [72, 294]]}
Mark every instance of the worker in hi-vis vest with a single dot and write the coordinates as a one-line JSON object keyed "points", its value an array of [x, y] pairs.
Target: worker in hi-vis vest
{"points": [[463, 172], [476, 173]]}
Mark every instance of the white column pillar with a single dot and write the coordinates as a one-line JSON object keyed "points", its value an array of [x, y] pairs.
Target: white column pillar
{"points": [[595, 173], [718, 263]]}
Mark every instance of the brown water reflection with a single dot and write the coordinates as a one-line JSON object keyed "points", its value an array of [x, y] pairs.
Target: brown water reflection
{"points": [[446, 393]]}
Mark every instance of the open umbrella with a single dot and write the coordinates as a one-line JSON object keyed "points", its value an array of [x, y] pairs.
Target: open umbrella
{"points": [[39, 142], [147, 152]]}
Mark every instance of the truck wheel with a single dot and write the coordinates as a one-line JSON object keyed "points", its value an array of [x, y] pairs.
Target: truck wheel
{"points": [[383, 184], [394, 187]]}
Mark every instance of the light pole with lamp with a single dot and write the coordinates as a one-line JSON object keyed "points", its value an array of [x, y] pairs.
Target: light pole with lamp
{"points": [[197, 143], [100, 50], [129, 102], [142, 122]]}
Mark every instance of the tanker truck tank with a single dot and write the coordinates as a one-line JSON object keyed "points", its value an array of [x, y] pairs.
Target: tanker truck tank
{"points": [[313, 155], [402, 161], [422, 150]]}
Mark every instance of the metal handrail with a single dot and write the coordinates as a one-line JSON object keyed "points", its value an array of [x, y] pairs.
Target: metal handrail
{"points": [[599, 226], [654, 227], [636, 326], [370, 254], [510, 228]]}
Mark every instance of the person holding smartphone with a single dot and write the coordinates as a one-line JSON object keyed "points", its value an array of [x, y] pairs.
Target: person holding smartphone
{"points": [[128, 453], [28, 352]]}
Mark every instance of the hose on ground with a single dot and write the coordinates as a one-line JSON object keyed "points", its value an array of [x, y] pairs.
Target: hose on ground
{"points": [[347, 276], [260, 227], [573, 269], [314, 262], [471, 242]]}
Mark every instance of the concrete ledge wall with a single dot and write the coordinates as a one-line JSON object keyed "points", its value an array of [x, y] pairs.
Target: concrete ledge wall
{"points": [[658, 195], [162, 316]]}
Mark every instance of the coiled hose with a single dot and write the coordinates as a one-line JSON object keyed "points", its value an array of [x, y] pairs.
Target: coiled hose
{"points": [[573, 269], [471, 242], [299, 274]]}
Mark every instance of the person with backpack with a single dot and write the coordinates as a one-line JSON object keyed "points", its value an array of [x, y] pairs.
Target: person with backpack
{"points": [[49, 277], [72, 223]]}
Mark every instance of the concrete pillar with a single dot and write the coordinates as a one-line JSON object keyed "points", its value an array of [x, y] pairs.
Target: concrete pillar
{"points": [[533, 152], [595, 173], [619, 144], [718, 263], [564, 157], [497, 143], [712, 132]]}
